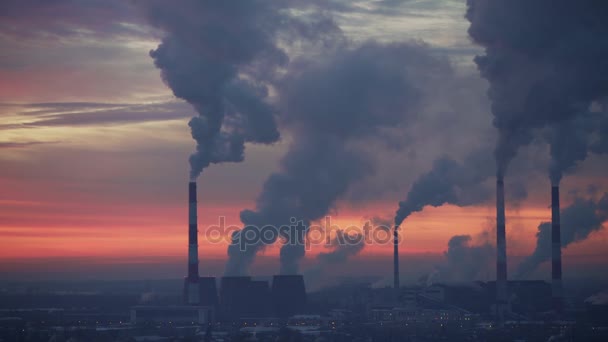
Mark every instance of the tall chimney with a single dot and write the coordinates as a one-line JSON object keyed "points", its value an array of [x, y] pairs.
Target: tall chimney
{"points": [[556, 269], [396, 260], [191, 285], [501, 252]]}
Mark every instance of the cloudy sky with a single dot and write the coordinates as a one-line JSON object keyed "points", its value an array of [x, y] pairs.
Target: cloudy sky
{"points": [[95, 147]]}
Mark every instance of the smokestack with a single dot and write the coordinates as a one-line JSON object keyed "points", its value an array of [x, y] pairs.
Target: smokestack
{"points": [[556, 269], [396, 260], [191, 286], [501, 251]]}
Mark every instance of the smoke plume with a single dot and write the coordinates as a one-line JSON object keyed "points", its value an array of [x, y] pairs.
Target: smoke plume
{"points": [[449, 181], [221, 57], [578, 220], [466, 261], [572, 141], [569, 143], [343, 246], [546, 61], [331, 108]]}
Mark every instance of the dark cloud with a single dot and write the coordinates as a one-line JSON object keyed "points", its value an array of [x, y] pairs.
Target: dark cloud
{"points": [[221, 57], [578, 221], [546, 62], [569, 143], [332, 108]]}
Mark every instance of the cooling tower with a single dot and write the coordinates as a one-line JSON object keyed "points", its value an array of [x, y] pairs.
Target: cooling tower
{"points": [[191, 283], [288, 295], [556, 249], [234, 297], [208, 292], [259, 303], [501, 252]]}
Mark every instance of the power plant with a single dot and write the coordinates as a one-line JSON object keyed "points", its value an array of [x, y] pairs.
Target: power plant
{"points": [[239, 296], [285, 296]]}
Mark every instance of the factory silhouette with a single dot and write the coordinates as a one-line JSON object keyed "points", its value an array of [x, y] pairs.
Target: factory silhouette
{"points": [[258, 72], [285, 296], [238, 296]]}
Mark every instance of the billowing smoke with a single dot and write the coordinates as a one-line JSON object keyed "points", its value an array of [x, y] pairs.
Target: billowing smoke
{"points": [[546, 61], [343, 246], [333, 108], [569, 142], [466, 260], [382, 223], [448, 182], [578, 220], [221, 56]]}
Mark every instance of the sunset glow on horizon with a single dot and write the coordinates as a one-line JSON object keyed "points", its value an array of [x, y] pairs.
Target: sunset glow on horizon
{"points": [[95, 146]]}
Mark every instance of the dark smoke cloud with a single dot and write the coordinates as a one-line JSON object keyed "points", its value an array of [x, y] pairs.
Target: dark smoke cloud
{"points": [[343, 247], [465, 260], [569, 145], [449, 182], [546, 61], [221, 56], [572, 141], [382, 223], [578, 221], [332, 107]]}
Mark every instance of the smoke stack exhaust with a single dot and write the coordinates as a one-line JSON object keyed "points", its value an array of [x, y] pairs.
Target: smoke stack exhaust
{"points": [[191, 285], [556, 240], [396, 259], [501, 252]]}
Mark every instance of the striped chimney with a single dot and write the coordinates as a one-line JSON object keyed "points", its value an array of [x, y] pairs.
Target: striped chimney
{"points": [[501, 251], [191, 286], [556, 269]]}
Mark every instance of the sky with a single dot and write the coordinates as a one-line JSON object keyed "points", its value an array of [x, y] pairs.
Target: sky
{"points": [[94, 150]]}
